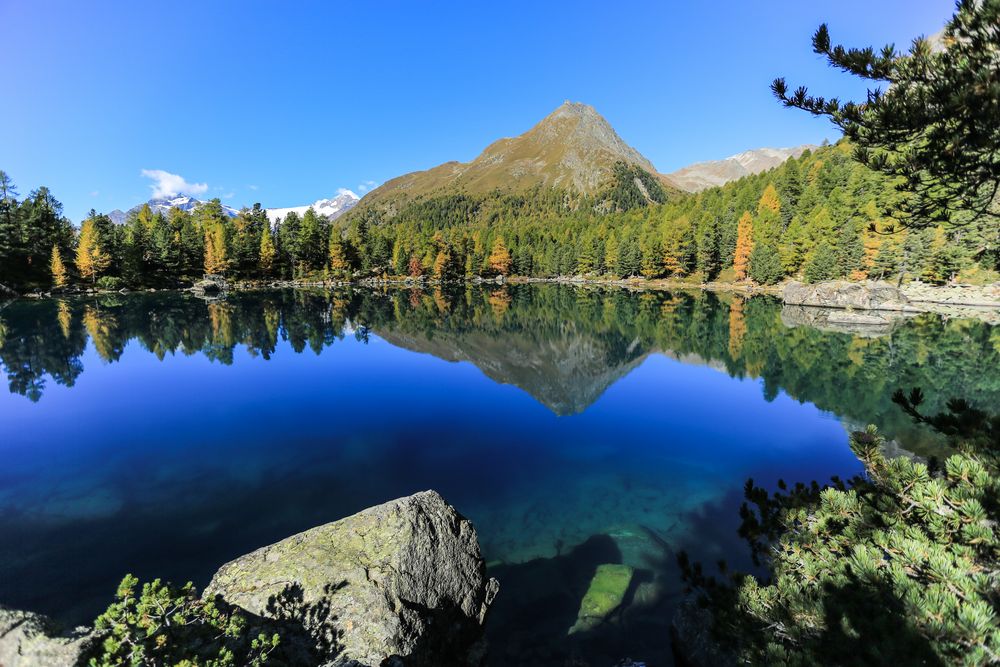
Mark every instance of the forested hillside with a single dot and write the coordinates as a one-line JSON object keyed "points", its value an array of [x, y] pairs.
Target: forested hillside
{"points": [[816, 217]]}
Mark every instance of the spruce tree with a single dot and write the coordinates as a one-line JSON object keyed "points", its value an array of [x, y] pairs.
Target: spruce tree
{"points": [[823, 264], [765, 264]]}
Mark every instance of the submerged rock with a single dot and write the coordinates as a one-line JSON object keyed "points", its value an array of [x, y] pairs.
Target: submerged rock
{"points": [[30, 640], [843, 294], [404, 579], [606, 593]]}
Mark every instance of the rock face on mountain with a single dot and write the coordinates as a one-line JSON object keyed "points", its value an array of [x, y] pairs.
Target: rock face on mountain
{"points": [[574, 149], [703, 175], [29, 640], [404, 580]]}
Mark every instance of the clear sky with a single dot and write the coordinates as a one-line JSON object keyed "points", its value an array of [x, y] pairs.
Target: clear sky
{"points": [[285, 102]]}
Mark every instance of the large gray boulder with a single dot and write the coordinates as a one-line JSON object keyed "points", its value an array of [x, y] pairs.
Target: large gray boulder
{"points": [[210, 285], [399, 583], [30, 640], [843, 294]]}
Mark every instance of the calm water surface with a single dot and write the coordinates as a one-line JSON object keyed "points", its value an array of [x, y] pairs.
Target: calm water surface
{"points": [[163, 435]]}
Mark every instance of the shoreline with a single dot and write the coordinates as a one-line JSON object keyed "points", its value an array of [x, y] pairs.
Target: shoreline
{"points": [[950, 301]]}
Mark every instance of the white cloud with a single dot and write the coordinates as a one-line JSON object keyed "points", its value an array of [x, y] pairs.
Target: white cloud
{"points": [[166, 184], [345, 191], [229, 195], [252, 187], [94, 193], [366, 186]]}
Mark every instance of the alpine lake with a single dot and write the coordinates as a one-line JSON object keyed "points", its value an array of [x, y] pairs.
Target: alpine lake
{"points": [[163, 434]]}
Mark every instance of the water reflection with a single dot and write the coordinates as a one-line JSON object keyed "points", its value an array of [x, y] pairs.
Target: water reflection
{"points": [[563, 346]]}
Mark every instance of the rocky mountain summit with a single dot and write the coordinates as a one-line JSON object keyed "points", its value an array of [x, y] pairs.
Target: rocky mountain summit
{"points": [[399, 583]]}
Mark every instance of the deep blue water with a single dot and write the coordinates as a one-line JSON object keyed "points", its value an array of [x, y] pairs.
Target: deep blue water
{"points": [[163, 435]]}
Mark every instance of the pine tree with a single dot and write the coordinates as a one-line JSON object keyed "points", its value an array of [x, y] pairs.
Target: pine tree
{"points": [[708, 243], [59, 274], [10, 230], [822, 265], [744, 246], [267, 252], [850, 252], [931, 121], [765, 264]]}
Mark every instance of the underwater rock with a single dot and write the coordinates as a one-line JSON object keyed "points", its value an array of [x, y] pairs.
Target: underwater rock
{"points": [[30, 640], [605, 594], [403, 580]]}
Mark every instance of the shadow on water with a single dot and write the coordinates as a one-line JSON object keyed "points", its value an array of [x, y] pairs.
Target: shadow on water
{"points": [[538, 618]]}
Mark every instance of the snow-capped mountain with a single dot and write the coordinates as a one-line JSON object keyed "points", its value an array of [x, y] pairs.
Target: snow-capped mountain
{"points": [[164, 204], [704, 175], [328, 208]]}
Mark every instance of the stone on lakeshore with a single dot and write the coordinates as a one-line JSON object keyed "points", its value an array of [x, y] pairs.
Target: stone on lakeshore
{"points": [[403, 580], [844, 294], [28, 640]]}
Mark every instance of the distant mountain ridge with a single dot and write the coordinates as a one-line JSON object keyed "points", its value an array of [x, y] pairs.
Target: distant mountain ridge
{"points": [[331, 208], [713, 173], [163, 205]]}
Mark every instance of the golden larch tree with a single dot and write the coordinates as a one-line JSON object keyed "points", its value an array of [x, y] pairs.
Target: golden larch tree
{"points": [[216, 261], [59, 274], [744, 245], [90, 259], [500, 260], [338, 256]]}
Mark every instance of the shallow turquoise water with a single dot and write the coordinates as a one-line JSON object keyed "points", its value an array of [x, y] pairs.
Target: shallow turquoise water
{"points": [[164, 435]]}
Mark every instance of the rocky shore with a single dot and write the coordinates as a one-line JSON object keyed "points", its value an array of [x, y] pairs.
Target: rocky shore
{"points": [[880, 304], [402, 583]]}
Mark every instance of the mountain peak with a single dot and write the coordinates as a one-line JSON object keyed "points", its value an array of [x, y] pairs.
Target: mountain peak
{"points": [[569, 108], [573, 148]]}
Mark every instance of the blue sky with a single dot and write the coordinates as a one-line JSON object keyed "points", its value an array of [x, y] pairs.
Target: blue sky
{"points": [[284, 103]]}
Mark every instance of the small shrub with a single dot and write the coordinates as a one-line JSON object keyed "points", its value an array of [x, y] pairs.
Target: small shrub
{"points": [[109, 283], [163, 626]]}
